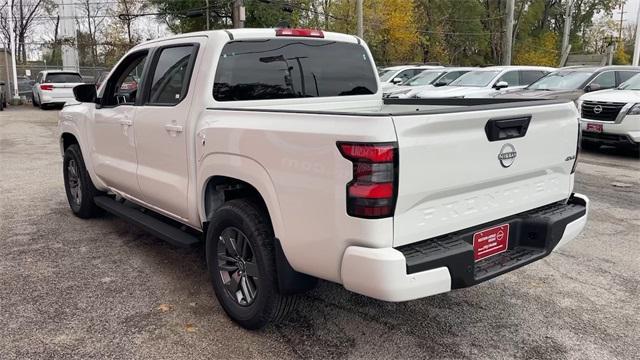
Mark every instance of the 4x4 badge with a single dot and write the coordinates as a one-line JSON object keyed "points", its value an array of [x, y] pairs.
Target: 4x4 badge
{"points": [[507, 155]]}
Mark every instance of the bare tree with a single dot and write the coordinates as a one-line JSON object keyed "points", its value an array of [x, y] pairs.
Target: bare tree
{"points": [[25, 12], [94, 15], [127, 11]]}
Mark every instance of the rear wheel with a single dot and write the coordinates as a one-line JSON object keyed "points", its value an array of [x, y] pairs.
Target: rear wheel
{"points": [[33, 100], [241, 261], [78, 185]]}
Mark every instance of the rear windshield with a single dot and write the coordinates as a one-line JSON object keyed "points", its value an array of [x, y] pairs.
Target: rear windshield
{"points": [[63, 78], [286, 68]]}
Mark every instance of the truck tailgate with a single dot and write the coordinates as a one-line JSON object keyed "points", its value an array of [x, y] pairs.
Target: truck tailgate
{"points": [[452, 177]]}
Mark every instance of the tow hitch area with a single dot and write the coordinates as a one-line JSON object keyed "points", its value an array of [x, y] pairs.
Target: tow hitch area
{"points": [[486, 251]]}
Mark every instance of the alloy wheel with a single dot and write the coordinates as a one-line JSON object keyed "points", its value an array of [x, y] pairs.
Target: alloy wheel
{"points": [[74, 182], [237, 266]]}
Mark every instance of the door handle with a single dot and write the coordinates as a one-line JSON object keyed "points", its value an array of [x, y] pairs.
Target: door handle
{"points": [[174, 128], [126, 122]]}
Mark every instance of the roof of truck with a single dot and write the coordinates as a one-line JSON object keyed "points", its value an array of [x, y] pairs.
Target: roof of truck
{"points": [[251, 33]]}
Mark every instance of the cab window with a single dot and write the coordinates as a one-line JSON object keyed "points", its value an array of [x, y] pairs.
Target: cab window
{"points": [[123, 86], [171, 75]]}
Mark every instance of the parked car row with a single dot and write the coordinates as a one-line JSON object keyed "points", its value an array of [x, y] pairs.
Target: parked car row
{"points": [[606, 96]]}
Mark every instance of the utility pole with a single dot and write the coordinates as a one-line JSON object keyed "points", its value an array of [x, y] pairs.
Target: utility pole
{"points": [[12, 40], [508, 34], [636, 47], [207, 13], [360, 19], [238, 14], [567, 25], [70, 59], [621, 21]]}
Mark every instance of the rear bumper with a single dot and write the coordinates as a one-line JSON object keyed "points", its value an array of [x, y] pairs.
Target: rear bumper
{"points": [[50, 100], [438, 265]]}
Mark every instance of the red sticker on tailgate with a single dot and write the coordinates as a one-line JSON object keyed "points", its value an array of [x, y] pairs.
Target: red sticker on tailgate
{"points": [[490, 242]]}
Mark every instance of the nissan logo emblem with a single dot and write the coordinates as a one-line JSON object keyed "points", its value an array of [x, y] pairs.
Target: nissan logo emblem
{"points": [[507, 155], [597, 109]]}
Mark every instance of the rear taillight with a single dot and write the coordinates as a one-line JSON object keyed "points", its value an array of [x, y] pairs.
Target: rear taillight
{"points": [[300, 33], [46, 87], [373, 190]]}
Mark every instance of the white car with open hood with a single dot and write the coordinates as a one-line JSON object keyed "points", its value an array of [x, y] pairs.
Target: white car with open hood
{"points": [[275, 149], [487, 82]]}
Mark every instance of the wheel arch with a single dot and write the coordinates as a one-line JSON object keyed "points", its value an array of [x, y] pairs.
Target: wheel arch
{"points": [[223, 177]]}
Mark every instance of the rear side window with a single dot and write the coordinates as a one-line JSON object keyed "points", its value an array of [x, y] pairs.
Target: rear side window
{"points": [[171, 75], [286, 68], [625, 75], [63, 78], [530, 76]]}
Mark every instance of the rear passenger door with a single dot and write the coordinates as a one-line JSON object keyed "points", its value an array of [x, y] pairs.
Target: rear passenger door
{"points": [[161, 128]]}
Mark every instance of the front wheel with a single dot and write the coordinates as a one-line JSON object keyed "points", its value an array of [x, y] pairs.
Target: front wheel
{"points": [[241, 261], [78, 185]]}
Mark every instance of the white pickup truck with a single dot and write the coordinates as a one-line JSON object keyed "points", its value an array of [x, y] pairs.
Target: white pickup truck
{"points": [[275, 149]]}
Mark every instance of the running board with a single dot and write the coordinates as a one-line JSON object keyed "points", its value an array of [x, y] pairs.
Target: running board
{"points": [[157, 227]]}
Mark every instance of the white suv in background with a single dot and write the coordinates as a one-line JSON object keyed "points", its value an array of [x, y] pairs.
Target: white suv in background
{"points": [[612, 117], [55, 88], [488, 82], [427, 79], [392, 76]]}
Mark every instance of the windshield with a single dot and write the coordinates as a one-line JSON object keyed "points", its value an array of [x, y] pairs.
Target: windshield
{"points": [[475, 78], [424, 78], [561, 80], [63, 78], [386, 75], [631, 84], [287, 68]]}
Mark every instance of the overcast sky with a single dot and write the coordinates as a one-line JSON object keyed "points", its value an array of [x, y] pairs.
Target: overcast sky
{"points": [[630, 11]]}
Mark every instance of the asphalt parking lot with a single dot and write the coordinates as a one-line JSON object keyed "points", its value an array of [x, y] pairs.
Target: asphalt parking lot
{"points": [[72, 288]]}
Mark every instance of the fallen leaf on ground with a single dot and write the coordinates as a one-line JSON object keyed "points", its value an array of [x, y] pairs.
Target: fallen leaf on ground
{"points": [[165, 307], [189, 327]]}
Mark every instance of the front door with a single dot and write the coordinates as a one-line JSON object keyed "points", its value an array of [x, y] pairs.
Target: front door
{"points": [[161, 130], [114, 153]]}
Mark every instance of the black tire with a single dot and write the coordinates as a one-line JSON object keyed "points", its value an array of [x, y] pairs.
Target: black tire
{"points": [[81, 202], [267, 305], [44, 107], [33, 100]]}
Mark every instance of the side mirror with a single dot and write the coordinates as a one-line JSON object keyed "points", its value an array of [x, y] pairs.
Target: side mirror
{"points": [[440, 83], [592, 87], [85, 93], [501, 85], [396, 81]]}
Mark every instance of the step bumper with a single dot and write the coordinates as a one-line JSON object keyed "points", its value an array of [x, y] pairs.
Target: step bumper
{"points": [[439, 265]]}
